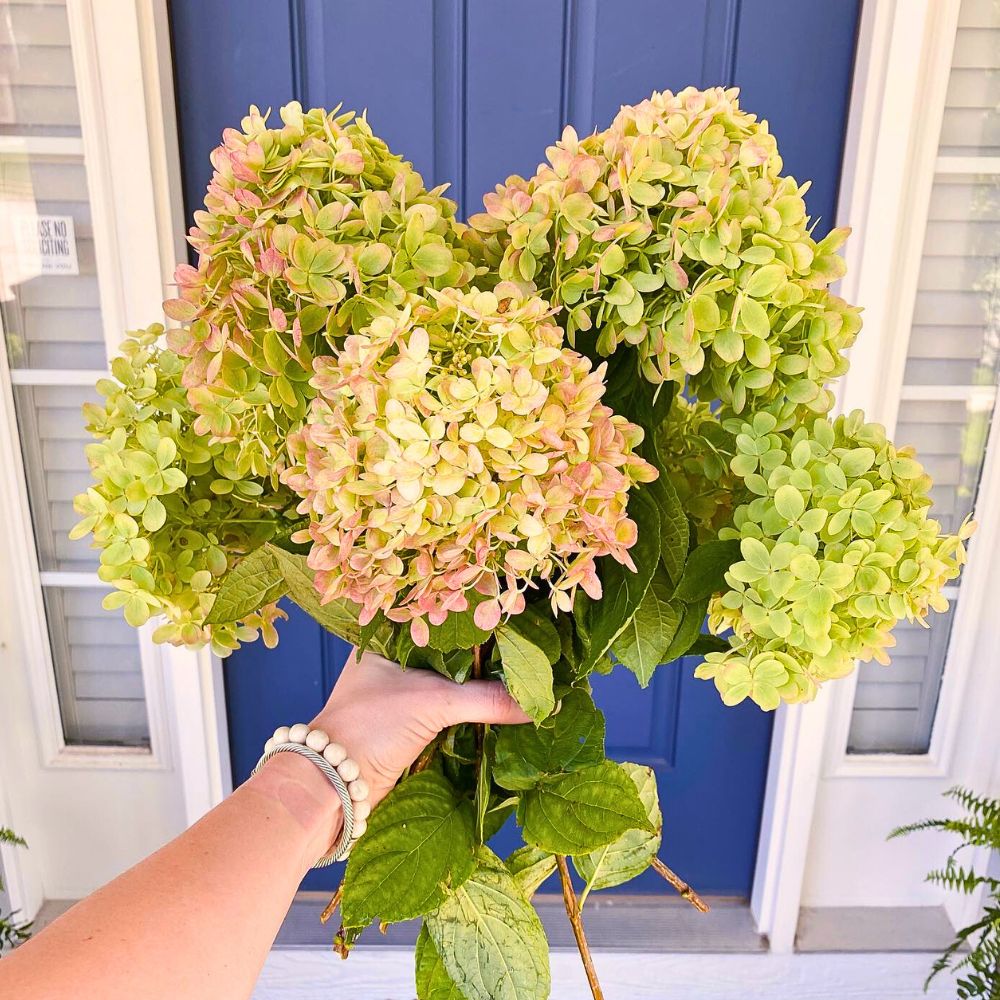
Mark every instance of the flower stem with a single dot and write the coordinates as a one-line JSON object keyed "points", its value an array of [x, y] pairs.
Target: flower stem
{"points": [[332, 905], [680, 885], [576, 922]]}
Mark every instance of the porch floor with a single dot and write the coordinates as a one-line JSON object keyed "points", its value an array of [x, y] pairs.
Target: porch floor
{"points": [[614, 923]]}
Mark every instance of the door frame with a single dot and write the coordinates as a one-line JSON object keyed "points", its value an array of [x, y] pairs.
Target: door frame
{"points": [[827, 812], [192, 694], [124, 81]]}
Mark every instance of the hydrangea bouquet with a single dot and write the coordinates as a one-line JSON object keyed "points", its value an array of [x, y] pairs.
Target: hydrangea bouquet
{"points": [[548, 442]]}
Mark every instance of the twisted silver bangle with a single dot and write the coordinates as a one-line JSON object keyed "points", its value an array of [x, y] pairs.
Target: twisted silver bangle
{"points": [[341, 849]]}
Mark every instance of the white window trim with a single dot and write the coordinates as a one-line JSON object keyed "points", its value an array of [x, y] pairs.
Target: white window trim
{"points": [[889, 198], [902, 67], [121, 56]]}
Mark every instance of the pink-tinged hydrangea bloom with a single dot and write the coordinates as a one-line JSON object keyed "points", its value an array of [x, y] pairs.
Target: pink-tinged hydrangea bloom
{"points": [[459, 447]]}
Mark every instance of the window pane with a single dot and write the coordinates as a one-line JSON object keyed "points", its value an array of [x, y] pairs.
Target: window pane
{"points": [[98, 671], [949, 385], [956, 335], [894, 706], [52, 441], [971, 123], [49, 295], [50, 318], [37, 88]]}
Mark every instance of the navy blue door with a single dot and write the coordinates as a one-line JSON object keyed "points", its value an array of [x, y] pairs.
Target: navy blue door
{"points": [[471, 91]]}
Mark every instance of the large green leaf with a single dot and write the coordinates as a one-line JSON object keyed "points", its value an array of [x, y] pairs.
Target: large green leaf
{"points": [[623, 589], [527, 672], [571, 739], [632, 852], [419, 845], [634, 396], [704, 572], [255, 580], [433, 981], [489, 937], [582, 811], [530, 866], [643, 646], [339, 617]]}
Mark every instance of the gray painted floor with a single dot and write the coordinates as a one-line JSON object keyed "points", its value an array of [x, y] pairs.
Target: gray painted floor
{"points": [[614, 923]]}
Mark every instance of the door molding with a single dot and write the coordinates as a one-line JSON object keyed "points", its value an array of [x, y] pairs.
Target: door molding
{"points": [[124, 77]]}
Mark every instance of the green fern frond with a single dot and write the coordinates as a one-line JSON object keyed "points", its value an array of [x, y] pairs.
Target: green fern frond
{"points": [[8, 836], [924, 824], [956, 879], [979, 827], [985, 808]]}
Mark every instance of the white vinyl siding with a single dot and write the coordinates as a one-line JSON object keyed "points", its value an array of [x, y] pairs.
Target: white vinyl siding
{"points": [[55, 349], [949, 384]]}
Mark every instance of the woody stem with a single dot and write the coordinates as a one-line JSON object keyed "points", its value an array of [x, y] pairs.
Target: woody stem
{"points": [[576, 922]]}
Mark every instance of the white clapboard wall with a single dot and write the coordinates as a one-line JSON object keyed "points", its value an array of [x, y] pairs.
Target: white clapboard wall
{"points": [[949, 385], [53, 331]]}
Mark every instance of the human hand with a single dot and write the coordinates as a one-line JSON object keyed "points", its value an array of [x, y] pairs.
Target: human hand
{"points": [[385, 715]]}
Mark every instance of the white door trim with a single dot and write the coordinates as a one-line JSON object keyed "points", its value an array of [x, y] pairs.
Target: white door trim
{"points": [[123, 69]]}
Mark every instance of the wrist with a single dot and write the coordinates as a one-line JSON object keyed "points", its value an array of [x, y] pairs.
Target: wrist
{"points": [[302, 792]]}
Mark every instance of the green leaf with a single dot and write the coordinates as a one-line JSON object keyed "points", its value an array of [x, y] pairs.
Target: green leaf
{"points": [[489, 937], [419, 845], [339, 617], [582, 811], [689, 632], [704, 644], [530, 867], [623, 589], [483, 783], [571, 739], [458, 631], [632, 852], [645, 641], [256, 580], [535, 624], [634, 396], [433, 981], [704, 573], [675, 532], [526, 672]]}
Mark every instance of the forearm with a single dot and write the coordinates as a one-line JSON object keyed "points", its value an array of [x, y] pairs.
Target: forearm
{"points": [[198, 917]]}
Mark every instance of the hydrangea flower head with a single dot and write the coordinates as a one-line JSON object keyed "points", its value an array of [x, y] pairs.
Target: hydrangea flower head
{"points": [[837, 546], [674, 232], [459, 450]]}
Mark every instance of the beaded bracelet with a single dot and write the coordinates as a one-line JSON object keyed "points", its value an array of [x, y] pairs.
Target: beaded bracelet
{"points": [[342, 772]]}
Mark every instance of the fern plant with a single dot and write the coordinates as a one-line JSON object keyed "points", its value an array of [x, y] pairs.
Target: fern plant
{"points": [[12, 931], [979, 968]]}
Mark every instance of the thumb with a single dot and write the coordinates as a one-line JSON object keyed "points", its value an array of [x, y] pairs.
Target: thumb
{"points": [[486, 701]]}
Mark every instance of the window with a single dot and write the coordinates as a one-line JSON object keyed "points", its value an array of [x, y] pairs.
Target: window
{"points": [[949, 385], [51, 320]]}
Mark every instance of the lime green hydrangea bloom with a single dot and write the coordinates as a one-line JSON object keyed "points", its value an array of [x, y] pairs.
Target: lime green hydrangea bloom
{"points": [[675, 232], [837, 546], [171, 509]]}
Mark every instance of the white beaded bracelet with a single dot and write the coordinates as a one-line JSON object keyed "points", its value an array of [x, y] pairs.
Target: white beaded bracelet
{"points": [[342, 772]]}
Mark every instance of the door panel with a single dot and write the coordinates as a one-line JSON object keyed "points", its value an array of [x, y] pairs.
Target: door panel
{"points": [[472, 92]]}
